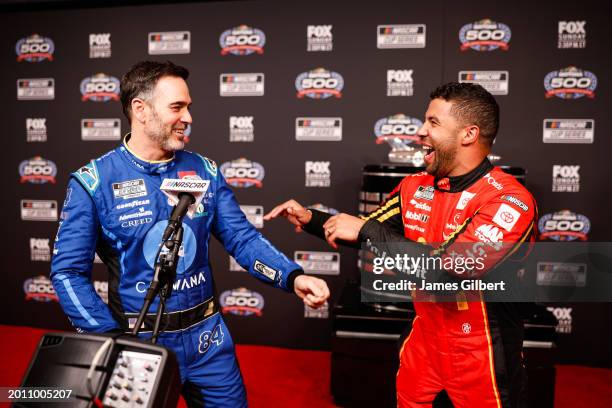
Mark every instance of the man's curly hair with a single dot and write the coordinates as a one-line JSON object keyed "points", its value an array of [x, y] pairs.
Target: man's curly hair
{"points": [[472, 105]]}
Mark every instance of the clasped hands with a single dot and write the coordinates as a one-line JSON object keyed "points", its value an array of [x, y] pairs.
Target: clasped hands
{"points": [[338, 227]]}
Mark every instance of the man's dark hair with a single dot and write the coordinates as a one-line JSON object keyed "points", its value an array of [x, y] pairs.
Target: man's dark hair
{"points": [[140, 80], [472, 104]]}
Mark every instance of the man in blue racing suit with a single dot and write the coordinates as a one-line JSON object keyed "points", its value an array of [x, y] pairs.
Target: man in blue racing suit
{"points": [[114, 206]]}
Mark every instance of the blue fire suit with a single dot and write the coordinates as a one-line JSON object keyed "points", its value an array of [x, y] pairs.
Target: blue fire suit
{"points": [[114, 207]]}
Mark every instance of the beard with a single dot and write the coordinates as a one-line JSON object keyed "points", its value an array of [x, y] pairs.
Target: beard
{"points": [[443, 160], [161, 134]]}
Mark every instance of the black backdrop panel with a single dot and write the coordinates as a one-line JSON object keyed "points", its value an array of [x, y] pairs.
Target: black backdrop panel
{"points": [[532, 52]]}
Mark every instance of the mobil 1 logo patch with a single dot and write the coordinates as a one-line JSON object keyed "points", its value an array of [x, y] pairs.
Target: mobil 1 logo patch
{"points": [[169, 42], [319, 38], [241, 129], [399, 82], [100, 129], [566, 179], [130, 189], [244, 84], [400, 36], [254, 214], [496, 82], [35, 89], [320, 263], [36, 130], [318, 129], [318, 174], [568, 131]]}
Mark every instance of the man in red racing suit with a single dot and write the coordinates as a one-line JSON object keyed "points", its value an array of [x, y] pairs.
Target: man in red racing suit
{"points": [[461, 203]]}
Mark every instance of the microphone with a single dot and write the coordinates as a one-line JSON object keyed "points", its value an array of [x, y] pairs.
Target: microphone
{"points": [[186, 194], [185, 200]]}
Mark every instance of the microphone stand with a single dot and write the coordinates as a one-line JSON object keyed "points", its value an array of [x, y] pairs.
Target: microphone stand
{"points": [[164, 276]]}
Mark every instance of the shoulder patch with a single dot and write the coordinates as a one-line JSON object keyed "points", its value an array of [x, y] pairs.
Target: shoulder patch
{"points": [[88, 176], [209, 165], [515, 201]]}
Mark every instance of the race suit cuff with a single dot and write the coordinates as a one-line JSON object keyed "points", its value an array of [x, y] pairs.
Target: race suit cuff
{"points": [[291, 278], [315, 226], [370, 230]]}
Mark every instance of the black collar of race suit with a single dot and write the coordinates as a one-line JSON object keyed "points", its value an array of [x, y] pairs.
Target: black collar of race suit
{"points": [[460, 183]]}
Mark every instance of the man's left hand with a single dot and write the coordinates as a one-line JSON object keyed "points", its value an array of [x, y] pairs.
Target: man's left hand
{"points": [[313, 291], [342, 226]]}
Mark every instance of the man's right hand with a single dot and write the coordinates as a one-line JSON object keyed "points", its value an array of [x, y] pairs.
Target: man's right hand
{"points": [[293, 211]]}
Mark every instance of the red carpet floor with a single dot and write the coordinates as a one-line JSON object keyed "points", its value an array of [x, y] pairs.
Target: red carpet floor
{"points": [[291, 378]]}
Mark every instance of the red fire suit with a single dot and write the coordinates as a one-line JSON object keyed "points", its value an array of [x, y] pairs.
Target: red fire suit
{"points": [[468, 347]]}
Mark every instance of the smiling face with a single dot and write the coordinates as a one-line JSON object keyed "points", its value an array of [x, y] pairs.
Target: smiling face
{"points": [[440, 136], [167, 113]]}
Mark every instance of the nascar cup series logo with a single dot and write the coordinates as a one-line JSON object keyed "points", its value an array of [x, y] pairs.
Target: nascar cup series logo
{"points": [[100, 88], [38, 210], [39, 288], [37, 171], [242, 40], [35, 89], [35, 49], [564, 225], [241, 302], [568, 130], [101, 129], [319, 83], [243, 173], [396, 128], [570, 83], [169, 42], [484, 35]]}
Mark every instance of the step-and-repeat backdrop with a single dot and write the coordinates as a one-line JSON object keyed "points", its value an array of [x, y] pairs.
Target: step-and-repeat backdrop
{"points": [[292, 100]]}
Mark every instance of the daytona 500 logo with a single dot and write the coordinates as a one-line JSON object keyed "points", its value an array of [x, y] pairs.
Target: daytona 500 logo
{"points": [[485, 35], [241, 302], [564, 225], [35, 48], [100, 88], [37, 171], [570, 83], [319, 83], [242, 40], [243, 173], [398, 126]]}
